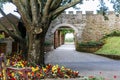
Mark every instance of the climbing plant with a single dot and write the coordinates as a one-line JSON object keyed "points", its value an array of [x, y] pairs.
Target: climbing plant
{"points": [[65, 31]]}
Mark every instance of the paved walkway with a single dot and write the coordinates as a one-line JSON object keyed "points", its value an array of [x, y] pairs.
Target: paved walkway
{"points": [[87, 64]]}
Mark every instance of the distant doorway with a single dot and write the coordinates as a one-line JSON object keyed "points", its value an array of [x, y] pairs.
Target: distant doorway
{"points": [[61, 33], [69, 38]]}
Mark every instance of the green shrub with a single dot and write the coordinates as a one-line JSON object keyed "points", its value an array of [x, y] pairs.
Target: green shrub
{"points": [[114, 33], [2, 36], [91, 44]]}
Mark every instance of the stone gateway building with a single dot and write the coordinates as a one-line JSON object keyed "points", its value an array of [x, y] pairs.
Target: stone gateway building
{"points": [[87, 27]]}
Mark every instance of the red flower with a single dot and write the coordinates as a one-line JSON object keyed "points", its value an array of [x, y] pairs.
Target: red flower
{"points": [[100, 72], [115, 76], [58, 69], [12, 79], [49, 66], [91, 77], [76, 73]]}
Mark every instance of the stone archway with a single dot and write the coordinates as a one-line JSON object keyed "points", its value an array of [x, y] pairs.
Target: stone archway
{"points": [[64, 24], [56, 41]]}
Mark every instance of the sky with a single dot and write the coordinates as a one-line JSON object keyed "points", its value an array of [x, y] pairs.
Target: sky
{"points": [[69, 35], [86, 6], [92, 5], [9, 8]]}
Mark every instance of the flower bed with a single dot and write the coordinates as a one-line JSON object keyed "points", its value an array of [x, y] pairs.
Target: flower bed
{"points": [[16, 68]]}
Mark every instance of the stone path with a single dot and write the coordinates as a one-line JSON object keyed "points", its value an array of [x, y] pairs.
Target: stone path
{"points": [[87, 64]]}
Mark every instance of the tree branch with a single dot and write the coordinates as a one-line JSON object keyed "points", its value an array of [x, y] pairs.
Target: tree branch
{"points": [[34, 9], [24, 13], [62, 8], [46, 9], [55, 4]]}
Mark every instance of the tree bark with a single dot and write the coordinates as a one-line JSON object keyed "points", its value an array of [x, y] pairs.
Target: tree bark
{"points": [[36, 48], [41, 55]]}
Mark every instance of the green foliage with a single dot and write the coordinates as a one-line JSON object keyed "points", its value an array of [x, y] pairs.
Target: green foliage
{"points": [[94, 78], [112, 34], [91, 44], [65, 31], [64, 2], [103, 9], [116, 5], [2, 36], [111, 47]]}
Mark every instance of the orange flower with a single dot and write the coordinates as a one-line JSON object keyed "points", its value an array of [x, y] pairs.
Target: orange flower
{"points": [[0, 74], [32, 74]]}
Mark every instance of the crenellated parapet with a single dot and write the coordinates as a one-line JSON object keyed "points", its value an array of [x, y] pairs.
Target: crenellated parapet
{"points": [[81, 12], [78, 16], [90, 26]]}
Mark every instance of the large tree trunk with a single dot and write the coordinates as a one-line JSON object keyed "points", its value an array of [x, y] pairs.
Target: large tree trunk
{"points": [[41, 55], [36, 48]]}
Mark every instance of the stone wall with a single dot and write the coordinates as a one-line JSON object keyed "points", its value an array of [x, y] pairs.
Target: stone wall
{"points": [[87, 26], [96, 26]]}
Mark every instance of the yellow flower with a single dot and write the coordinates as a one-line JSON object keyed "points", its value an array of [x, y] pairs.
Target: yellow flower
{"points": [[63, 68], [41, 75], [20, 72], [35, 69], [44, 69], [12, 74], [8, 62], [29, 73], [22, 65], [54, 68]]}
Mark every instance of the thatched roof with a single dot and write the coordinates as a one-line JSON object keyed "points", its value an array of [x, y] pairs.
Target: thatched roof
{"points": [[13, 18]]}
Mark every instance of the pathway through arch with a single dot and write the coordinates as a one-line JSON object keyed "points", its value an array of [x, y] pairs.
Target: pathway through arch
{"points": [[87, 64]]}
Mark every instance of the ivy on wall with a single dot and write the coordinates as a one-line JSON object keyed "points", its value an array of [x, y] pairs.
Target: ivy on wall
{"points": [[65, 31]]}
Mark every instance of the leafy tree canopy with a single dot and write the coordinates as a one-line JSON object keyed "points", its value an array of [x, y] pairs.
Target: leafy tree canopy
{"points": [[104, 9], [116, 5]]}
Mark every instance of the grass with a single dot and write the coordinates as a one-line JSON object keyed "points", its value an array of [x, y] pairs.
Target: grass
{"points": [[112, 46]]}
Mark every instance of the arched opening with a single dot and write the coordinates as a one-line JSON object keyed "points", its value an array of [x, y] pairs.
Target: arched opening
{"points": [[69, 38], [64, 33]]}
